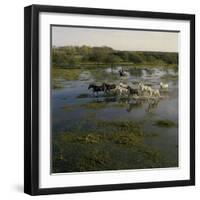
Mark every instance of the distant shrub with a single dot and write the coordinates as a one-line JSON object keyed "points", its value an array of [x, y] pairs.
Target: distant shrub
{"points": [[70, 56]]}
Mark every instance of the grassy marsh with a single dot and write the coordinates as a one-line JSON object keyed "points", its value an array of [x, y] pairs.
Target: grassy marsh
{"points": [[57, 84], [165, 123], [66, 74], [96, 154], [83, 95], [122, 126], [68, 107], [94, 105]]}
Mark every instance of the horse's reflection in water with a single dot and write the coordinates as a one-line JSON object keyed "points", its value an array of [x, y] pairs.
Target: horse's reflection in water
{"points": [[110, 99], [151, 105], [134, 104], [131, 104]]}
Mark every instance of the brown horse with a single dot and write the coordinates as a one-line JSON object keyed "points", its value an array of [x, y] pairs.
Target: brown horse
{"points": [[96, 89], [133, 91], [108, 87]]}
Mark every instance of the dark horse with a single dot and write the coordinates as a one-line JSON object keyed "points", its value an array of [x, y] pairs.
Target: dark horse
{"points": [[133, 91], [108, 87], [122, 72], [97, 88]]}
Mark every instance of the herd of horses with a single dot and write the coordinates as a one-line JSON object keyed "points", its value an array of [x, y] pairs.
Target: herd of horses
{"points": [[126, 90]]}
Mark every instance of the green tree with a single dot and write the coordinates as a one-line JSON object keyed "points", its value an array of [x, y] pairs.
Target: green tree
{"points": [[98, 55], [135, 57], [112, 60], [58, 58]]}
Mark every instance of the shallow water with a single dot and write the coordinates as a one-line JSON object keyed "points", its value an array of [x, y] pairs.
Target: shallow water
{"points": [[69, 114]]}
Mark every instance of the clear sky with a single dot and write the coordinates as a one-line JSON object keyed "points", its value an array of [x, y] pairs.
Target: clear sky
{"points": [[131, 40]]}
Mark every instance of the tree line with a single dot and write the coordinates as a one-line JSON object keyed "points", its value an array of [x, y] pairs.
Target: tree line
{"points": [[70, 56]]}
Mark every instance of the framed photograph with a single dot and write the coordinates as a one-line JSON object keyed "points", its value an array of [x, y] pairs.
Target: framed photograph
{"points": [[109, 99]]}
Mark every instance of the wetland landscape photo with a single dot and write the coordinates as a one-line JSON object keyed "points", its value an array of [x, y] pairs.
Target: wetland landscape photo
{"points": [[114, 99]]}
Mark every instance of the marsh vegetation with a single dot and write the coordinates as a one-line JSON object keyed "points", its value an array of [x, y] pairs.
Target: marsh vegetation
{"points": [[92, 57]]}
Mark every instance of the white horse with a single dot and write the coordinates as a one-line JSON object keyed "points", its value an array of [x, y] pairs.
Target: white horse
{"points": [[152, 92], [123, 85], [145, 88], [163, 86], [121, 90], [155, 93]]}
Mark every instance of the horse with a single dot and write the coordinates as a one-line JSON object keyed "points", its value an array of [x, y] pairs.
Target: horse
{"points": [[123, 85], [96, 88], [121, 90], [122, 73], [145, 88], [108, 87], [133, 91], [150, 90], [155, 93], [163, 86]]}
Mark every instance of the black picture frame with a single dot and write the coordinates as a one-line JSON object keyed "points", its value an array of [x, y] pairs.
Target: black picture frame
{"points": [[31, 98]]}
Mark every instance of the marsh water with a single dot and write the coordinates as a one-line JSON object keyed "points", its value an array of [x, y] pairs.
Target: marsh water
{"points": [[92, 132]]}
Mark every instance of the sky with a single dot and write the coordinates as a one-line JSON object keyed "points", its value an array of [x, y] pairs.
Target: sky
{"points": [[128, 40]]}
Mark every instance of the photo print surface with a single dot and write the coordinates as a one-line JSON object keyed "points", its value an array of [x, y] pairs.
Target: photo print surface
{"points": [[114, 99]]}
